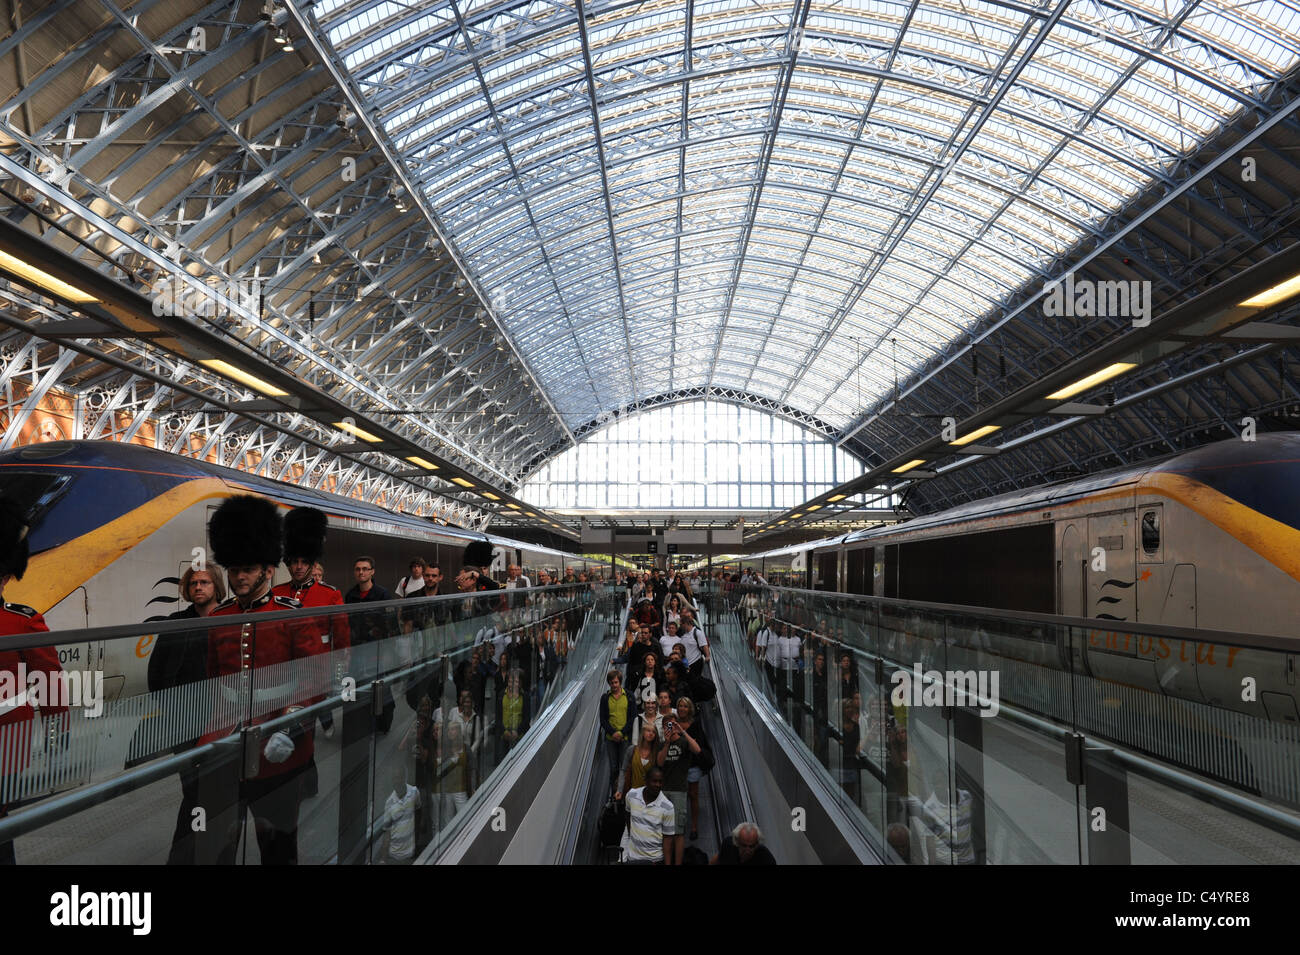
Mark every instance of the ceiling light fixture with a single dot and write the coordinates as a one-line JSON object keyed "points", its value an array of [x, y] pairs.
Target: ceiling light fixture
{"points": [[1274, 295], [30, 273], [361, 433], [977, 434], [1096, 378], [914, 463], [244, 378]]}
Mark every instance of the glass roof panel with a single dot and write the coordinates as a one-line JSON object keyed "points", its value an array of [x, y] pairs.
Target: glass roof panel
{"points": [[737, 215]]}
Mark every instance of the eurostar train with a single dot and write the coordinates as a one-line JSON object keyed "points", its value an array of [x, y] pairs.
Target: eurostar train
{"points": [[115, 525], [1208, 539]]}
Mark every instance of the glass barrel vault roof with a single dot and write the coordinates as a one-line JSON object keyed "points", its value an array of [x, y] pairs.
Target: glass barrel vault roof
{"points": [[782, 198]]}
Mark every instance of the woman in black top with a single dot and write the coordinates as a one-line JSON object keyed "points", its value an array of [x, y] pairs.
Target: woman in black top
{"points": [[848, 677], [701, 762], [849, 740]]}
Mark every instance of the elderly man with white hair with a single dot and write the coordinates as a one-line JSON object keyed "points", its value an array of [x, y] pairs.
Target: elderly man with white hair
{"points": [[744, 847]]}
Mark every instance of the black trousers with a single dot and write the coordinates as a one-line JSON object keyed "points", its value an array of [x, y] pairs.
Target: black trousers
{"points": [[183, 838], [274, 803]]}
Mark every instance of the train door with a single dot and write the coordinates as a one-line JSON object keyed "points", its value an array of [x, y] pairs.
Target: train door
{"points": [[799, 572], [856, 571], [891, 570], [1110, 555], [1071, 573], [1116, 655], [827, 571], [72, 613], [1165, 595], [1179, 606], [877, 570]]}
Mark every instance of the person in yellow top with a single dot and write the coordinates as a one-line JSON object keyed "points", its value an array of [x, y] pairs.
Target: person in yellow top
{"points": [[616, 713], [640, 759], [514, 714]]}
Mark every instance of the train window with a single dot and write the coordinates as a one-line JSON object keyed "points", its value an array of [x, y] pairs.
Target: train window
{"points": [[1150, 532], [33, 492]]}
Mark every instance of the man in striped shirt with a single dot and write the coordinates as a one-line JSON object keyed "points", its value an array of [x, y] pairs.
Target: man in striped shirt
{"points": [[650, 818]]}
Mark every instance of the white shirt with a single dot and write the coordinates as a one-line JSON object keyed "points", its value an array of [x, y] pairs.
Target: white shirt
{"points": [[469, 726], [400, 811], [667, 643], [410, 583], [520, 581], [791, 648], [499, 641], [647, 825], [692, 640], [761, 640]]}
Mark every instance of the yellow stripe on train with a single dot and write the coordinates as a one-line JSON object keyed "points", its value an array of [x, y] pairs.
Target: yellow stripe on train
{"points": [[1276, 542], [48, 579]]}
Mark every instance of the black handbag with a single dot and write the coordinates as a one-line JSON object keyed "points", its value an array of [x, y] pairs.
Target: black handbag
{"points": [[613, 820]]}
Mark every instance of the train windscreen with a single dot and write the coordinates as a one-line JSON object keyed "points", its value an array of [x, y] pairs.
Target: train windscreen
{"points": [[33, 491], [1268, 486]]}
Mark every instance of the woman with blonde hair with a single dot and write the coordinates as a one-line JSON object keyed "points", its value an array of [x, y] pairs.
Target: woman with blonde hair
{"points": [[701, 762], [640, 758]]}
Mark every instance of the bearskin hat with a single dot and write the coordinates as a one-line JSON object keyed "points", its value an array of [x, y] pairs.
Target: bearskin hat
{"points": [[13, 539], [304, 534], [245, 531], [478, 554]]}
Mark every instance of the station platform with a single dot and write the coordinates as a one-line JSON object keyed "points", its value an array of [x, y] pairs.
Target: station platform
{"points": [[849, 729]]}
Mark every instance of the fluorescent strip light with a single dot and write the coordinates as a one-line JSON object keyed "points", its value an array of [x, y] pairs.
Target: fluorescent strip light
{"points": [[1096, 378], [914, 463], [1274, 295], [45, 280], [421, 462], [835, 497], [462, 482], [977, 434], [814, 507], [513, 507], [530, 513], [796, 516], [779, 523], [243, 377], [490, 496], [361, 433]]}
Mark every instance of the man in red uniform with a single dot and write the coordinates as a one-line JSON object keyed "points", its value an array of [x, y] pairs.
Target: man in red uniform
{"points": [[304, 545], [245, 538], [16, 710]]}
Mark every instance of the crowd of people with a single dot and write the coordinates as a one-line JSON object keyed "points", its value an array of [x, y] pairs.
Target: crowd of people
{"points": [[502, 651], [474, 673], [658, 749]]}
